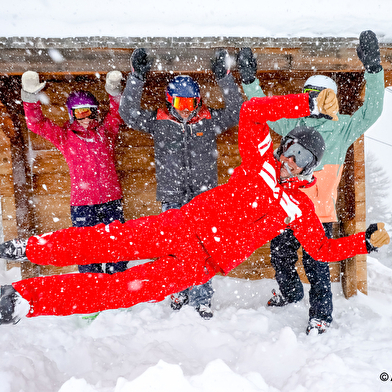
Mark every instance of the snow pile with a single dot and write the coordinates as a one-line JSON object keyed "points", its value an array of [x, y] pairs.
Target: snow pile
{"points": [[245, 347]]}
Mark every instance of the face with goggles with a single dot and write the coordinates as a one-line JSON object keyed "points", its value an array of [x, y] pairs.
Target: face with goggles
{"points": [[294, 159], [184, 105], [84, 115]]}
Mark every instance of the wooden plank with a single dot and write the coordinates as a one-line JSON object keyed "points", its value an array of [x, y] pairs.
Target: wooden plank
{"points": [[8, 207], [349, 277], [179, 53], [52, 206], [39, 143], [7, 185], [5, 156], [139, 205], [362, 274], [52, 183], [335, 271], [10, 229], [53, 270], [141, 158], [49, 162]]}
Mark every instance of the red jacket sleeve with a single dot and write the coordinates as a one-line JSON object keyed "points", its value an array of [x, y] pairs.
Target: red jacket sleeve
{"points": [[113, 119], [41, 125], [253, 128], [310, 233]]}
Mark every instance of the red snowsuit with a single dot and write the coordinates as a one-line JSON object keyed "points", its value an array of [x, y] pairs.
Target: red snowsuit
{"points": [[217, 230], [89, 153]]}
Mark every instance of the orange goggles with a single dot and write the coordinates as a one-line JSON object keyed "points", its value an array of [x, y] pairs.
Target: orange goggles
{"points": [[182, 103], [81, 113]]}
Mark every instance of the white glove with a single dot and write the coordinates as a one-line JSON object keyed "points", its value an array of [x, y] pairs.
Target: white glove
{"points": [[31, 86], [113, 83]]}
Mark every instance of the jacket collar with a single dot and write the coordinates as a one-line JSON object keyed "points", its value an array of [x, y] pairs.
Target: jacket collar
{"points": [[80, 131]]}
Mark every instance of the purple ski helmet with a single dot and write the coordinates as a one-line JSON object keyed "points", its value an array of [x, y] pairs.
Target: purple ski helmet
{"points": [[80, 99]]}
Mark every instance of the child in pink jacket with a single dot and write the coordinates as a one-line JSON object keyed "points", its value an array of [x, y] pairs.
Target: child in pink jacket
{"points": [[88, 146]]}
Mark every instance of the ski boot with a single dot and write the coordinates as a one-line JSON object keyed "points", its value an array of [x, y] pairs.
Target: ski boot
{"points": [[8, 303], [13, 250], [317, 325], [205, 312], [178, 300], [277, 300]]}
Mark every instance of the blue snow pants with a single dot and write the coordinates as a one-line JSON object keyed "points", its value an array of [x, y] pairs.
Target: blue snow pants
{"points": [[283, 258], [91, 215], [197, 295]]}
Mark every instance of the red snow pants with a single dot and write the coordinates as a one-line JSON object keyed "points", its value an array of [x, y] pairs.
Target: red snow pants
{"points": [[181, 262]]}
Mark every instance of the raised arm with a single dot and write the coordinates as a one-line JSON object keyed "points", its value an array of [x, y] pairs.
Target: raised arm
{"points": [[35, 120], [113, 119], [229, 116], [130, 104]]}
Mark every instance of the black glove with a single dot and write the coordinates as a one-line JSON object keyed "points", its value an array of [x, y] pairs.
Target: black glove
{"points": [[369, 231], [140, 63], [369, 52], [247, 65], [218, 64]]}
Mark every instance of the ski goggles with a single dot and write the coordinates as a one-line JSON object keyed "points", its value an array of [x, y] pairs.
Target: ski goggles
{"points": [[301, 155], [310, 89], [182, 103], [81, 113]]}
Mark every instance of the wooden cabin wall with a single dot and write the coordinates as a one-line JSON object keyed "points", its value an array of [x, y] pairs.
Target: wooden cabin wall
{"points": [[50, 184]]}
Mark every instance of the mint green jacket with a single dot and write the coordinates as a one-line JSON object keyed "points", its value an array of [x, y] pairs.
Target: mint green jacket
{"points": [[338, 136]]}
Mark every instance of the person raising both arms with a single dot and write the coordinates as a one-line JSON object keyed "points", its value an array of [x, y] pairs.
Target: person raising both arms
{"points": [[339, 132], [184, 132], [87, 143]]}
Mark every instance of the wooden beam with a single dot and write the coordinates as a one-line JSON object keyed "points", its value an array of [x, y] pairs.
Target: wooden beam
{"points": [[185, 54]]}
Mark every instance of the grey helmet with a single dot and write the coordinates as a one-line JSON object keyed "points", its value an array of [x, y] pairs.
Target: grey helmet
{"points": [[308, 138], [320, 82]]}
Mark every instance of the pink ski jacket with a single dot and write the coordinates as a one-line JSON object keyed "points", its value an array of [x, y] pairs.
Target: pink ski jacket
{"points": [[90, 154]]}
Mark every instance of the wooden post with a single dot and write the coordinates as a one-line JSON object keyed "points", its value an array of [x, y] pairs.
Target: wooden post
{"points": [[24, 216], [354, 270]]}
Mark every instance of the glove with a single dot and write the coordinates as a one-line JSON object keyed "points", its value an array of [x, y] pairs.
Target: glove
{"points": [[219, 64], [324, 104], [247, 65], [31, 86], [376, 236], [113, 83], [369, 52], [140, 63]]}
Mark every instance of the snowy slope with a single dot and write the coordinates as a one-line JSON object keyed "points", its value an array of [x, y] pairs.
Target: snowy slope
{"points": [[245, 347]]}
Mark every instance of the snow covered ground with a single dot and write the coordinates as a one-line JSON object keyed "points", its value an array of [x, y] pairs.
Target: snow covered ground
{"points": [[245, 347]]}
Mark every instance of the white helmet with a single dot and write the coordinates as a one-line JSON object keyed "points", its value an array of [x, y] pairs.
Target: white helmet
{"points": [[322, 82]]}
